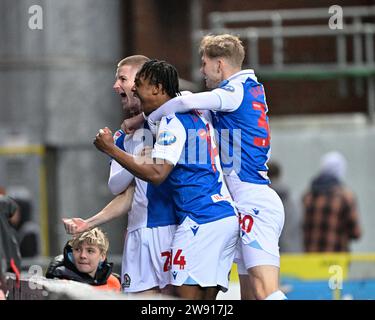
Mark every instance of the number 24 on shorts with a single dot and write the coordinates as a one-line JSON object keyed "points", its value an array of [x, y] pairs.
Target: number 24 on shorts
{"points": [[178, 259]]}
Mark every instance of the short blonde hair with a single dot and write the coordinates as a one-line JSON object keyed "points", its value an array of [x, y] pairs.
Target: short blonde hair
{"points": [[223, 46], [95, 237], [137, 60]]}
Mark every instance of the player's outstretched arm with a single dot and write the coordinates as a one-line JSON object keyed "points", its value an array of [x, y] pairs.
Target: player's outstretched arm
{"points": [[119, 206], [186, 103]]}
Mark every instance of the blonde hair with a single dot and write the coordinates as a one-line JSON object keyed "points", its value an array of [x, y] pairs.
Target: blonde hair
{"points": [[136, 60], [223, 46], [95, 237]]}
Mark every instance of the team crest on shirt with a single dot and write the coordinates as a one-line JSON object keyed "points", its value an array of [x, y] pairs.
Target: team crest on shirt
{"points": [[228, 88], [126, 281], [166, 138], [117, 135]]}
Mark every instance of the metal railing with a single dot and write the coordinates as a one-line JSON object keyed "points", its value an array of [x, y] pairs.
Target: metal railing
{"points": [[220, 19], [362, 33]]}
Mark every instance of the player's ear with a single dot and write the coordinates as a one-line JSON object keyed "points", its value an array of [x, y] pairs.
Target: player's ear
{"points": [[219, 65], [157, 89]]}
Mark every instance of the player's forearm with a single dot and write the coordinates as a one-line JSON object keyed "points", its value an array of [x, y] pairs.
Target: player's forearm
{"points": [[149, 172], [182, 104], [119, 206], [106, 214]]}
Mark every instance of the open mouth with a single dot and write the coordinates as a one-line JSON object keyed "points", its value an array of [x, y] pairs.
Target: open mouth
{"points": [[122, 94]]}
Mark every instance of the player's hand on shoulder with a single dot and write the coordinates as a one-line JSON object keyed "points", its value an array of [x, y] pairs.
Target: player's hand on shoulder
{"points": [[131, 124]]}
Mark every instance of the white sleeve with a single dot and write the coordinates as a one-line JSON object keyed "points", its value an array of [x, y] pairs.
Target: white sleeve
{"points": [[186, 103], [171, 140], [119, 178], [231, 96]]}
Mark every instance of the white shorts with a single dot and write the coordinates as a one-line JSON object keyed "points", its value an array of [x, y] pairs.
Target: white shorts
{"points": [[253, 257], [143, 261], [261, 219], [202, 254]]}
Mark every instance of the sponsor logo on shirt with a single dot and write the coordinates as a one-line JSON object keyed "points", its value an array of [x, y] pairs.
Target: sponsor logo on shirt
{"points": [[228, 88], [218, 197], [166, 138]]}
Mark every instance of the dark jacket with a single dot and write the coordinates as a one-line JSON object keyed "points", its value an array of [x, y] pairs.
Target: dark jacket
{"points": [[62, 267], [9, 246]]}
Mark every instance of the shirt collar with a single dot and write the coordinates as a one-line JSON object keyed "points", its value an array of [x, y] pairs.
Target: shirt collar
{"points": [[242, 73]]}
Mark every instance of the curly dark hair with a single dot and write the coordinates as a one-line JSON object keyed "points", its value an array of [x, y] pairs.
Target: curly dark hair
{"points": [[161, 72]]}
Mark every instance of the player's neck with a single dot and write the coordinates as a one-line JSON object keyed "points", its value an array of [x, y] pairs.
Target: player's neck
{"points": [[161, 100], [228, 72]]}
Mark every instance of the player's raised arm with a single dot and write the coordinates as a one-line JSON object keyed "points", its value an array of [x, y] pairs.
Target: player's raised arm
{"points": [[150, 172], [186, 103]]}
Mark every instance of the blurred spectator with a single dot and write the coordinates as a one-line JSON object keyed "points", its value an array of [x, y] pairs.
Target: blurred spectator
{"points": [[291, 236], [330, 212], [85, 260], [9, 246], [28, 231]]}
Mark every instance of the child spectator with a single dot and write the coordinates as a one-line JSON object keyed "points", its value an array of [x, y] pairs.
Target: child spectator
{"points": [[84, 260]]}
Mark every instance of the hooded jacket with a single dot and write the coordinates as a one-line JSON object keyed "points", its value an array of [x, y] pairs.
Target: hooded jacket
{"points": [[62, 267], [324, 183]]}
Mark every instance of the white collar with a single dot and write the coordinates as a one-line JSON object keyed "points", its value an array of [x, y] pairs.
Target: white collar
{"points": [[241, 73]]}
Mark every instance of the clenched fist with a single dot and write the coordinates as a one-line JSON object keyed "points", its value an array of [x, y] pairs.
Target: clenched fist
{"points": [[104, 140]]}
